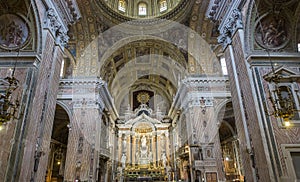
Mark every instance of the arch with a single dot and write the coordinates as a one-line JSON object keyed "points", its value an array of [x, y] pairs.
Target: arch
{"points": [[142, 9], [145, 123], [59, 143], [227, 125], [66, 108], [220, 109], [126, 33]]}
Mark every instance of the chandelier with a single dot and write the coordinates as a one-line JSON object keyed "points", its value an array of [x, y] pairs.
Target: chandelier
{"points": [[8, 106]]}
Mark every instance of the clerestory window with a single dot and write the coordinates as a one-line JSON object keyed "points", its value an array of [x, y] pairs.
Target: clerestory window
{"points": [[142, 9]]}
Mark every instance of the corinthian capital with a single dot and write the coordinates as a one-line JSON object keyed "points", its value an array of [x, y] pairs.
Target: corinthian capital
{"points": [[231, 24], [55, 25]]}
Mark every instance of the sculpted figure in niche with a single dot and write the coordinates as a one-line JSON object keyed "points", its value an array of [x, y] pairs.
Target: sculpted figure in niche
{"points": [[123, 160], [164, 160], [124, 144], [209, 153], [144, 141]]}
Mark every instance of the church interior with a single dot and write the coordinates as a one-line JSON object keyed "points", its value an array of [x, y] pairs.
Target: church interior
{"points": [[149, 90]]}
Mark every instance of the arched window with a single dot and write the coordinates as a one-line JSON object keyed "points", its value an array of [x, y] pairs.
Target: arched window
{"points": [[163, 5], [122, 5], [223, 66], [142, 9], [62, 69]]}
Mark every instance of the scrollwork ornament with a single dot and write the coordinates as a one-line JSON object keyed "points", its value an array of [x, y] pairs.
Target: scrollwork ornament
{"points": [[232, 24]]}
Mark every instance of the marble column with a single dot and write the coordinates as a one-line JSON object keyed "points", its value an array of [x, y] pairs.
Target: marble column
{"points": [[133, 149], [137, 146], [167, 141], [156, 151], [158, 148], [127, 138], [120, 148]]}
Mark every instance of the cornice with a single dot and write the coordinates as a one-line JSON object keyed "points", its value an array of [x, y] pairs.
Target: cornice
{"points": [[98, 95], [199, 92], [228, 14], [59, 15], [230, 24]]}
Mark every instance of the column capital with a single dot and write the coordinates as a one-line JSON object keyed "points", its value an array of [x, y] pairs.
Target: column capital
{"points": [[227, 29], [53, 23], [59, 15]]}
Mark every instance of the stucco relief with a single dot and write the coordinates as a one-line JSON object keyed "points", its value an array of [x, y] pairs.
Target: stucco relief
{"points": [[14, 31], [271, 31]]}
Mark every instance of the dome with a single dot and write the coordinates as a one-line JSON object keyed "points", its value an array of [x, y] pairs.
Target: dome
{"points": [[143, 9]]}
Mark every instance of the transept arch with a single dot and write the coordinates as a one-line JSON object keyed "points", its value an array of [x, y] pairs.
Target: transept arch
{"points": [[58, 145]]}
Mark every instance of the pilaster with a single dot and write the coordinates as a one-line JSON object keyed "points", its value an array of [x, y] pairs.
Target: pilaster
{"points": [[250, 136], [196, 102]]}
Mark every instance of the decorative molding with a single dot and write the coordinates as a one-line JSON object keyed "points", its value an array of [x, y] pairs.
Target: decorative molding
{"points": [[199, 92], [178, 12], [230, 18], [88, 93], [232, 24], [69, 10], [213, 8], [59, 15], [54, 24]]}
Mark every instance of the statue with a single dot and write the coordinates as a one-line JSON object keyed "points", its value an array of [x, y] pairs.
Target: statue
{"points": [[123, 160], [144, 141], [124, 144], [164, 159]]}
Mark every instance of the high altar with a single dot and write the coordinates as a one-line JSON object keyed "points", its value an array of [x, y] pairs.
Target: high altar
{"points": [[144, 142]]}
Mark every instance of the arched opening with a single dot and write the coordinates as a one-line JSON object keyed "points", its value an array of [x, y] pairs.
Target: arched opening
{"points": [[58, 146], [230, 146], [104, 172]]}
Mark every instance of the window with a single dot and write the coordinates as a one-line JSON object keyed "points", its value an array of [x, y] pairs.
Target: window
{"points": [[163, 5], [223, 66], [142, 9], [62, 68], [122, 5]]}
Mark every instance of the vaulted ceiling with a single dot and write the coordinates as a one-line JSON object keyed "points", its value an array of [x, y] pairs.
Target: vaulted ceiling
{"points": [[155, 55]]}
